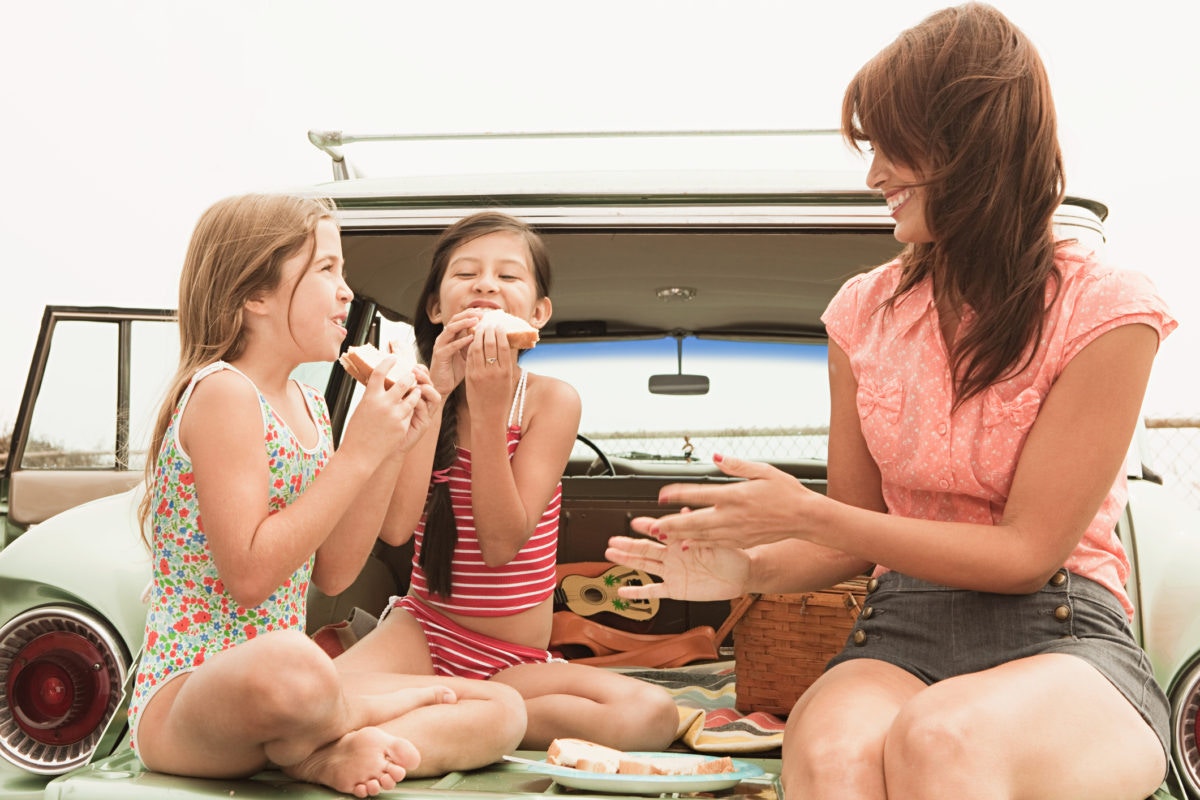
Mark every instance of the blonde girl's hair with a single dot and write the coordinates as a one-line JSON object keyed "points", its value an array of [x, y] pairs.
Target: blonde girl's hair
{"points": [[236, 253], [441, 530], [964, 100]]}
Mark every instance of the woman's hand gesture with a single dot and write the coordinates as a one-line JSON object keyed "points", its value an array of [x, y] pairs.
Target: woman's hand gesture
{"points": [[768, 506], [689, 571]]}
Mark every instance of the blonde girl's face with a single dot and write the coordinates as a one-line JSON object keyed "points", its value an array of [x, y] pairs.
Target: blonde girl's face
{"points": [[905, 198], [491, 271], [316, 295]]}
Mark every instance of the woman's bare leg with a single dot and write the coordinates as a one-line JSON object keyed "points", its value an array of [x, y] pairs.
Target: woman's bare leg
{"points": [[834, 741], [1045, 726]]}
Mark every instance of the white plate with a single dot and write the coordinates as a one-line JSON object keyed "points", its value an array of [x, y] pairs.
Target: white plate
{"points": [[647, 784]]}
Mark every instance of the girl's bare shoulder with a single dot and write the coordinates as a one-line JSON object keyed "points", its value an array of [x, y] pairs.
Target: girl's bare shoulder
{"points": [[544, 390]]}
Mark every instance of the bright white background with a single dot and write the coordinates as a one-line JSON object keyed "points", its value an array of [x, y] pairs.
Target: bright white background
{"points": [[121, 121]]}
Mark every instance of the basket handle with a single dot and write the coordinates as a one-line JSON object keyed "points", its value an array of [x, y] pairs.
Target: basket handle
{"points": [[736, 612]]}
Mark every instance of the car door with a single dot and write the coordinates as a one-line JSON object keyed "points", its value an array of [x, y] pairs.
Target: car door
{"points": [[81, 432]]}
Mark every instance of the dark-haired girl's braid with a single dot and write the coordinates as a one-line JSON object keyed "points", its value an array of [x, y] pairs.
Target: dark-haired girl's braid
{"points": [[441, 529]]}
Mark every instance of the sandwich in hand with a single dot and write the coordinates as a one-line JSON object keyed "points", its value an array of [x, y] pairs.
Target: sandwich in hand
{"points": [[520, 333], [361, 361]]}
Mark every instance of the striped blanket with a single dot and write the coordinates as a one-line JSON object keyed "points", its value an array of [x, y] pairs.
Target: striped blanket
{"points": [[708, 720]]}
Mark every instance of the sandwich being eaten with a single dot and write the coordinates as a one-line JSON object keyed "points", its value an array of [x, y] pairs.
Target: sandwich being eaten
{"points": [[520, 333]]}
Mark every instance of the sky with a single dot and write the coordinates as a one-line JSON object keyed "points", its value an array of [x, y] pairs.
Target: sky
{"points": [[123, 120]]}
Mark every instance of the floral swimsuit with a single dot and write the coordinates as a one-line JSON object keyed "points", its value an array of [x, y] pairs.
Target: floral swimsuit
{"points": [[191, 615]]}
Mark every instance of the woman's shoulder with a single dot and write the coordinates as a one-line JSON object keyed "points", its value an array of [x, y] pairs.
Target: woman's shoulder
{"points": [[1085, 272], [863, 293], [1095, 294]]}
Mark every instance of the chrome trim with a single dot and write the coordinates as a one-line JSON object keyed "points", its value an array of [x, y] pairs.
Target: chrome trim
{"points": [[19, 748]]}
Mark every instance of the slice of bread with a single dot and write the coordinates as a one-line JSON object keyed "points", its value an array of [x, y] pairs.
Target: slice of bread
{"points": [[591, 757], [360, 362], [521, 334], [584, 755]]}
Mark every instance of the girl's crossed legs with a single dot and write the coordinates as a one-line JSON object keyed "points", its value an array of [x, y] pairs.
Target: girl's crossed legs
{"points": [[278, 699], [560, 699]]}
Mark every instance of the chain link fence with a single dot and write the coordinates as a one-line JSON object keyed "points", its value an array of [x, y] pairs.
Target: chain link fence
{"points": [[1172, 445], [1173, 451]]}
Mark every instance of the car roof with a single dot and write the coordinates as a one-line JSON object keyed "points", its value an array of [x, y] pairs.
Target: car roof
{"points": [[754, 253]]}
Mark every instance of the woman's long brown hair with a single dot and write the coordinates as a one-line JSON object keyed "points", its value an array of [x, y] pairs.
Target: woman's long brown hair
{"points": [[237, 252], [441, 530], [963, 99]]}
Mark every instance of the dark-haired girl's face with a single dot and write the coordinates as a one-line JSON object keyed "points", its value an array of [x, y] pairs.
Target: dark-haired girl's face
{"points": [[905, 197], [491, 271]]}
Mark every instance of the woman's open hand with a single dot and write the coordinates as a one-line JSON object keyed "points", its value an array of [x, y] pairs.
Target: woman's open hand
{"points": [[689, 571]]}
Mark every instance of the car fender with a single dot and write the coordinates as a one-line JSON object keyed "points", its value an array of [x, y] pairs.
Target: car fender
{"points": [[1166, 534], [91, 555]]}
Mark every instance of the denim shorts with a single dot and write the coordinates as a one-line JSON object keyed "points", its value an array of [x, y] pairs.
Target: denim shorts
{"points": [[936, 632]]}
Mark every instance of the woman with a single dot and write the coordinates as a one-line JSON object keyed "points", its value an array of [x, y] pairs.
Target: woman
{"points": [[971, 466]]}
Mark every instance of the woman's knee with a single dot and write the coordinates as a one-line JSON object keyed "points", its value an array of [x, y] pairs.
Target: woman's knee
{"points": [[933, 739]]}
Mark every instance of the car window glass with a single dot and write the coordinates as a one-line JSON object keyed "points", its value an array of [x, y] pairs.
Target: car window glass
{"points": [[154, 353], [73, 421], [765, 400]]}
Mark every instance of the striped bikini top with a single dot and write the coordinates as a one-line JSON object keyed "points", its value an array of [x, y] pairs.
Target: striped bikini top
{"points": [[478, 590]]}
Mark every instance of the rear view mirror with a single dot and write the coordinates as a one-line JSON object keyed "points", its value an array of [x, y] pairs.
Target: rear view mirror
{"points": [[678, 384]]}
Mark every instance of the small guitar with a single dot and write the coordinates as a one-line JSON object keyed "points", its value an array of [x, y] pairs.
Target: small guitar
{"points": [[587, 596]]}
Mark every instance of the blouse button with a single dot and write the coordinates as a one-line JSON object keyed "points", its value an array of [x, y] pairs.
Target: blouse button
{"points": [[942, 429], [945, 484]]}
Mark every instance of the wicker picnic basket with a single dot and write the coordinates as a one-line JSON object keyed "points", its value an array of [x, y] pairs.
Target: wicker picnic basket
{"points": [[782, 642]]}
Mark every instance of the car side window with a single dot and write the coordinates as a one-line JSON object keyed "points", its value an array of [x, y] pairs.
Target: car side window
{"points": [[83, 418]]}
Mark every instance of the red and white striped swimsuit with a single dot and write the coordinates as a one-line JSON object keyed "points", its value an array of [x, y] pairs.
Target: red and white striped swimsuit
{"points": [[478, 590]]}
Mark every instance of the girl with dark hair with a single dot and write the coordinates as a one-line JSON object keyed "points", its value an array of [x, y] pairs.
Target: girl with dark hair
{"points": [[985, 386], [481, 598]]}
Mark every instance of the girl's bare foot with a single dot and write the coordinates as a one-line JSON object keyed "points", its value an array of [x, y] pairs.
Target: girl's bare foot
{"points": [[363, 763]]}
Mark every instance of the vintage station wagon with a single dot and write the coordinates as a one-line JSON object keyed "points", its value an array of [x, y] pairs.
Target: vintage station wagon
{"points": [[686, 313]]}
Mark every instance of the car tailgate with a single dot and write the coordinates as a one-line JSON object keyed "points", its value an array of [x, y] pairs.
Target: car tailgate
{"points": [[121, 777]]}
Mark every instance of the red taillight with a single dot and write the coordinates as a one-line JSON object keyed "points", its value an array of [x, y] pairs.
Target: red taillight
{"points": [[58, 688]]}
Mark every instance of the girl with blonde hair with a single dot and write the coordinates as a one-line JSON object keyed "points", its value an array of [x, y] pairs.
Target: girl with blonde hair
{"points": [[247, 504]]}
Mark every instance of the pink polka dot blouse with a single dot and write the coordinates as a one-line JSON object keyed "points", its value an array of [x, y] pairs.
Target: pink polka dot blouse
{"points": [[958, 466]]}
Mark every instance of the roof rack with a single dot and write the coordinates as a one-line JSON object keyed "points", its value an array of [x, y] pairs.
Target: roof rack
{"points": [[331, 142]]}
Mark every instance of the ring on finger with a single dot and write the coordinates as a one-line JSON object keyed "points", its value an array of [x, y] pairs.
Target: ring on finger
{"points": [[492, 360]]}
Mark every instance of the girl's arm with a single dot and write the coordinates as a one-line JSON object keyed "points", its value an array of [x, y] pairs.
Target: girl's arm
{"points": [[410, 485], [508, 498], [341, 556], [1072, 455], [222, 431], [446, 370]]}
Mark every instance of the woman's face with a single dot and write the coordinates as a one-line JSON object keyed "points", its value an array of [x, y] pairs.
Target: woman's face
{"points": [[905, 198]]}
